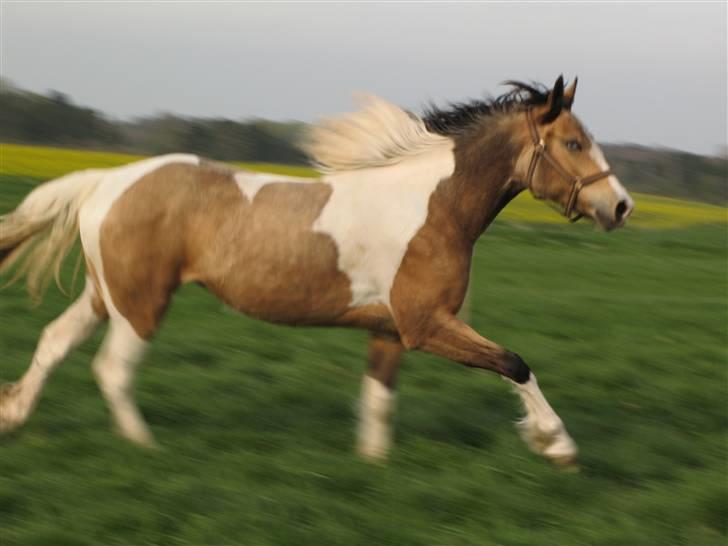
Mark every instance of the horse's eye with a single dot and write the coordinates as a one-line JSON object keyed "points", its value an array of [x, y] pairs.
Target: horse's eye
{"points": [[573, 145]]}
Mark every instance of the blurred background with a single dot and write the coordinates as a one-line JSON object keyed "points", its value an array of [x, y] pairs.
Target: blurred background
{"points": [[626, 331]]}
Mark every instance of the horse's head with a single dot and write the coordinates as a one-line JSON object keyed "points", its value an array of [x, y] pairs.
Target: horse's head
{"points": [[566, 166]]}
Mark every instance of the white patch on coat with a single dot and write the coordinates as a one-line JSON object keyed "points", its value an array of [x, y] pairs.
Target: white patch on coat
{"points": [[542, 428], [373, 214], [250, 182], [595, 152], [377, 404]]}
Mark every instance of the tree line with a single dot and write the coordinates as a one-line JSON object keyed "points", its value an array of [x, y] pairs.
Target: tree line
{"points": [[53, 119]]}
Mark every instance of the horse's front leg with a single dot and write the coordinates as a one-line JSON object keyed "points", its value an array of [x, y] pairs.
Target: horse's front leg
{"points": [[447, 336], [377, 396]]}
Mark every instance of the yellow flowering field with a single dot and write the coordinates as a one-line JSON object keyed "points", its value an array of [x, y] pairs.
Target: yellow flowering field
{"points": [[42, 163]]}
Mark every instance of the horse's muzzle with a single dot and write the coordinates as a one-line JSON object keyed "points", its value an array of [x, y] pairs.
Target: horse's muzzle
{"points": [[614, 216]]}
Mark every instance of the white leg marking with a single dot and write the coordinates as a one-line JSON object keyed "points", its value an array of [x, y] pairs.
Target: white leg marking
{"points": [[70, 329], [541, 428], [114, 367], [375, 433]]}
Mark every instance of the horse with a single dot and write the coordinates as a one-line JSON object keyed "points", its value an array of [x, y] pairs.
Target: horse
{"points": [[381, 241]]}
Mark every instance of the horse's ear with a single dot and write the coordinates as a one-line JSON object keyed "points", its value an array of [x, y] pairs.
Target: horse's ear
{"points": [[554, 103], [569, 93]]}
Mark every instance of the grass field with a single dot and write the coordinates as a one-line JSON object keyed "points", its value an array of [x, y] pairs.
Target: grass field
{"points": [[626, 331]]}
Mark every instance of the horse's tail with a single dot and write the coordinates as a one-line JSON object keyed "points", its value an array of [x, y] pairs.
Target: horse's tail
{"points": [[39, 234]]}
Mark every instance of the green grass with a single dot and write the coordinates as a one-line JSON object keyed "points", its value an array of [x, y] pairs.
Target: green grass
{"points": [[626, 331]]}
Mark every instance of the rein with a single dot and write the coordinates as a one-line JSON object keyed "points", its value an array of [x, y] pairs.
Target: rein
{"points": [[577, 182]]}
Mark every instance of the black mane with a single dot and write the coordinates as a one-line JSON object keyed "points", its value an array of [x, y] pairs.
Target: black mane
{"points": [[458, 116]]}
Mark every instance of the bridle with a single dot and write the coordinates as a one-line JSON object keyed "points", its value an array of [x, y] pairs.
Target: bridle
{"points": [[577, 183]]}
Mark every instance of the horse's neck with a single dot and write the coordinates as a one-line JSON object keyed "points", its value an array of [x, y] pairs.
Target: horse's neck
{"points": [[483, 184], [461, 185]]}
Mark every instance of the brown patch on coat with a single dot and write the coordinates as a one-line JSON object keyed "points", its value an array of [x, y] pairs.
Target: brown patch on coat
{"points": [[436, 266], [432, 280], [186, 223], [385, 352], [434, 270]]}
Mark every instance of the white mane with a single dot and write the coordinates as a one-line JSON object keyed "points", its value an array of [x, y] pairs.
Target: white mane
{"points": [[379, 134]]}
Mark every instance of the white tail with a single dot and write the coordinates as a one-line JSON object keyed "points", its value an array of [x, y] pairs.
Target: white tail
{"points": [[39, 234]]}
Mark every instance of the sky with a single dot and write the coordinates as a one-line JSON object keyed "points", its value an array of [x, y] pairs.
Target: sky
{"points": [[649, 73]]}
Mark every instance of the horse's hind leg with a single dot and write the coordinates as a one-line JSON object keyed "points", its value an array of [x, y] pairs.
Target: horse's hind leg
{"points": [[377, 397], [114, 367], [74, 326], [132, 324]]}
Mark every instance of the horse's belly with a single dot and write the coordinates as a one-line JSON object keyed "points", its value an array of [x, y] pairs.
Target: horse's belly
{"points": [[273, 291], [272, 265]]}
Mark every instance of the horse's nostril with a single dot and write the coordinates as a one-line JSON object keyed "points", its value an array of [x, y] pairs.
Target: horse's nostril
{"points": [[622, 207]]}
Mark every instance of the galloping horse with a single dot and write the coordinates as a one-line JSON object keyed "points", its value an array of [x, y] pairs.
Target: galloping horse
{"points": [[382, 241]]}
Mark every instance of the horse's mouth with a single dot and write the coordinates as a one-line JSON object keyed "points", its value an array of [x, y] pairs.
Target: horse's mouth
{"points": [[608, 224], [609, 221]]}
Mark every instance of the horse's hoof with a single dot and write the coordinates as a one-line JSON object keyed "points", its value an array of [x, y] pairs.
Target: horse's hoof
{"points": [[139, 437], [376, 455], [10, 417], [567, 463]]}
